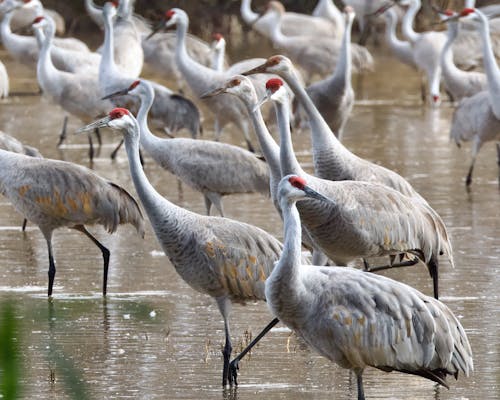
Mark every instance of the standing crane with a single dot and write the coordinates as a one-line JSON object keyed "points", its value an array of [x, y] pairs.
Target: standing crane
{"points": [[4, 81], [77, 93], [389, 224], [334, 96], [202, 79], [170, 111], [226, 259], [54, 194], [356, 319], [212, 168], [477, 118]]}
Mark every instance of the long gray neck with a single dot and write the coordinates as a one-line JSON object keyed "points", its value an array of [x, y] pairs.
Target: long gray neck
{"points": [[447, 64], [343, 68], [107, 67], [407, 23], [490, 65], [288, 161], [10, 40], [148, 140], [163, 215]]}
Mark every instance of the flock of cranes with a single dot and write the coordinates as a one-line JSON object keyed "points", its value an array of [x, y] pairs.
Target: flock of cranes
{"points": [[349, 209]]}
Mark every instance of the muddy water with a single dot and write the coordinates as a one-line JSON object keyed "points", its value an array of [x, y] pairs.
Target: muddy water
{"points": [[155, 338]]}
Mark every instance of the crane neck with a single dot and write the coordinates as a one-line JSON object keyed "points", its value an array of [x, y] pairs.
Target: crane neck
{"points": [[343, 69], [327, 9], [288, 160], [107, 67], [147, 139], [163, 215], [408, 19], [94, 12], [283, 285], [450, 70], [246, 12], [322, 136], [490, 65], [218, 55], [277, 37], [12, 41], [47, 73]]}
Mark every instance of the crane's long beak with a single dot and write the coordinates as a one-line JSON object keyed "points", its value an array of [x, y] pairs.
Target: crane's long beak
{"points": [[118, 93], [94, 125], [157, 28], [213, 92], [266, 97], [313, 194], [261, 69]]}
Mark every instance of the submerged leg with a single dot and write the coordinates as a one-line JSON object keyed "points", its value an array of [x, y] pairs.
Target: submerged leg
{"points": [[52, 265], [361, 391], [233, 366], [105, 256], [115, 151], [498, 162], [468, 180], [225, 308], [62, 136]]}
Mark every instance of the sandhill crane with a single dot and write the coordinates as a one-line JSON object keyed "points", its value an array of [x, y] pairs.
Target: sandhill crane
{"points": [[4, 81], [457, 82], [170, 111], [356, 319], [54, 194], [294, 24], [477, 118], [202, 79], [76, 93], [403, 224], [226, 259], [211, 168], [318, 56], [334, 96], [25, 16], [401, 49], [24, 49]]}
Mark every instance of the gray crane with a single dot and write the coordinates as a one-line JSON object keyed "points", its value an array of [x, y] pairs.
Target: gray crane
{"points": [[24, 49], [76, 93], [226, 259], [317, 56], [477, 118], [170, 111], [202, 79], [212, 168], [356, 319], [389, 223], [334, 96], [54, 194]]}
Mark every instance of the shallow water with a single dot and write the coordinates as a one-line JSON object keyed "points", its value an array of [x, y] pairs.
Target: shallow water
{"points": [[154, 337]]}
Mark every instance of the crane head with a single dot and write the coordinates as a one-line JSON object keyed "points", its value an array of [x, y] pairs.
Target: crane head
{"points": [[238, 85], [294, 188], [168, 20], [274, 65], [219, 43], [118, 119], [123, 92]]}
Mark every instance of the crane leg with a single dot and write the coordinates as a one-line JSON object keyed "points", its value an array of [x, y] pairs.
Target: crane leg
{"points": [[361, 391], [105, 256], [215, 199], [23, 227], [226, 354], [433, 267], [498, 162], [233, 365], [91, 148], [208, 204], [468, 180], [115, 151], [52, 267], [98, 136], [62, 136]]}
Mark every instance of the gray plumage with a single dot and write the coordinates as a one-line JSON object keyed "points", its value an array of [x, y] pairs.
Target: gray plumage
{"points": [[317, 56], [358, 319], [212, 168], [334, 96], [202, 79], [457, 82], [10, 143], [4, 81], [169, 111], [54, 194], [225, 259], [367, 219]]}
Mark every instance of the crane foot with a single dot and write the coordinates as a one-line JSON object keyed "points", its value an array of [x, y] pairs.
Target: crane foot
{"points": [[233, 372]]}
